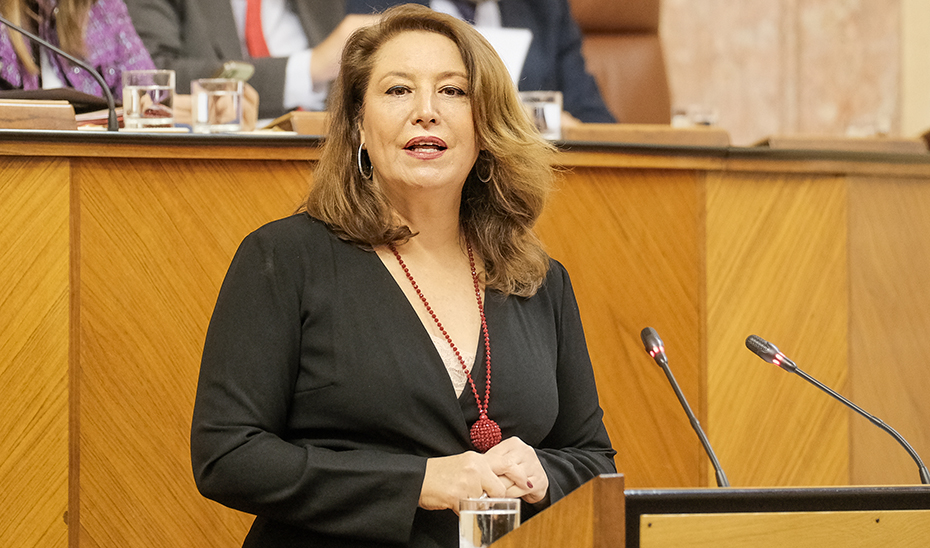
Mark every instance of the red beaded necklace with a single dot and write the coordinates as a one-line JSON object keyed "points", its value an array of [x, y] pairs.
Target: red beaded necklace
{"points": [[485, 433]]}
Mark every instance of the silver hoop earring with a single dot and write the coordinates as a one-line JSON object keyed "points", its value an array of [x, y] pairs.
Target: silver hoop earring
{"points": [[371, 168], [490, 163]]}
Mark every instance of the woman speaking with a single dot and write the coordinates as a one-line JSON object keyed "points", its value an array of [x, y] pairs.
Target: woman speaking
{"points": [[403, 342]]}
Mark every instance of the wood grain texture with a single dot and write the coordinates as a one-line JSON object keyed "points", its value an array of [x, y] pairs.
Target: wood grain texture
{"points": [[34, 275], [157, 237], [591, 516], [777, 268], [707, 249], [631, 242], [901, 529], [889, 322]]}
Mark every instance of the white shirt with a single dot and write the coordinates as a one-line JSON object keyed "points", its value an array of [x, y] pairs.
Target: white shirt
{"points": [[50, 79], [285, 37], [487, 12], [511, 44]]}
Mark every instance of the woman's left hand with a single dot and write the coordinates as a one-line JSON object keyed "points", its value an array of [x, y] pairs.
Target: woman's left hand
{"points": [[518, 466]]}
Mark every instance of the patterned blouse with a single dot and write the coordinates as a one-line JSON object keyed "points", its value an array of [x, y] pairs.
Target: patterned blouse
{"points": [[111, 44]]}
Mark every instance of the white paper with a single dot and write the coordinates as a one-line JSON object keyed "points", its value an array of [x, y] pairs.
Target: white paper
{"points": [[511, 45]]}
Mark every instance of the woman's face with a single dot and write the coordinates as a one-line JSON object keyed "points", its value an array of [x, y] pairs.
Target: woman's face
{"points": [[417, 121]]}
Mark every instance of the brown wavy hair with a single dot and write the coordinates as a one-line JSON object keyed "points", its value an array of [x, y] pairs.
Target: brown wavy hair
{"points": [[70, 19], [497, 217]]}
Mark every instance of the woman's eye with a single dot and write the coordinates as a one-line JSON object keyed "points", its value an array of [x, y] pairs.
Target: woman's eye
{"points": [[397, 90], [453, 91]]}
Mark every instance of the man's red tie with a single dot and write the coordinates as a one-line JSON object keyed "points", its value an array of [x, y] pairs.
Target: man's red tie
{"points": [[254, 37]]}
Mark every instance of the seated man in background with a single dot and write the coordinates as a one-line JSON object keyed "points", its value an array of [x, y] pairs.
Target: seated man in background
{"points": [[294, 45], [554, 61]]}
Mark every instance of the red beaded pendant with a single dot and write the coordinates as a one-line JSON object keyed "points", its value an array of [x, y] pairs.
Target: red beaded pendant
{"points": [[485, 433]]}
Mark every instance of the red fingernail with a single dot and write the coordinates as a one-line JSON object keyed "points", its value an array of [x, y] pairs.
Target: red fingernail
{"points": [[529, 485]]}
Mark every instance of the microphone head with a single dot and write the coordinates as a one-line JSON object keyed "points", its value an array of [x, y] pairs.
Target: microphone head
{"points": [[654, 345], [769, 352]]}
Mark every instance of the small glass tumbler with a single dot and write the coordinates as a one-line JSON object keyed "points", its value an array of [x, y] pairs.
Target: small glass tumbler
{"points": [[216, 105], [485, 520], [545, 109], [148, 99]]}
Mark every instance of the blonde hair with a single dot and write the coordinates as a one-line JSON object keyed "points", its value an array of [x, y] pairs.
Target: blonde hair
{"points": [[497, 216], [71, 19]]}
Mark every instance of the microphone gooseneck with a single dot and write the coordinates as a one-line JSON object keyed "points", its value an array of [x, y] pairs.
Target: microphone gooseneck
{"points": [[112, 123], [770, 353], [656, 348]]}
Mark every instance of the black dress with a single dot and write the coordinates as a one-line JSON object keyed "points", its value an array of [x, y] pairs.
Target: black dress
{"points": [[321, 395]]}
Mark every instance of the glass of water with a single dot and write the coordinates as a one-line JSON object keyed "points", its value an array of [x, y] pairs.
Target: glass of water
{"points": [[485, 520], [148, 99], [216, 105], [545, 109]]}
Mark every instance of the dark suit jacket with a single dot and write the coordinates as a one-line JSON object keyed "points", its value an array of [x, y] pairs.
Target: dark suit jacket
{"points": [[195, 37], [554, 61]]}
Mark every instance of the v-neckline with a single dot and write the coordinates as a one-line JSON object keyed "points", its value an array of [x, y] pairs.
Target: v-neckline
{"points": [[426, 335]]}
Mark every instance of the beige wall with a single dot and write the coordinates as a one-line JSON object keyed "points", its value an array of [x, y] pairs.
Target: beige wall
{"points": [[915, 81], [801, 66]]}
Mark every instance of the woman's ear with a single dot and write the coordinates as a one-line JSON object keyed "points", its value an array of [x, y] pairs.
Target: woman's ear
{"points": [[361, 131]]}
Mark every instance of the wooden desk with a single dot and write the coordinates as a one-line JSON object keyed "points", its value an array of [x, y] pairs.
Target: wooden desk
{"points": [[113, 247]]}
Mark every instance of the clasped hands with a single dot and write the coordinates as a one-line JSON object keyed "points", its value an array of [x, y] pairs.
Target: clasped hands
{"points": [[509, 469]]}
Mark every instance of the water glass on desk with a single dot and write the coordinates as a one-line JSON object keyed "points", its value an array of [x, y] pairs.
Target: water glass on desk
{"points": [[545, 109], [148, 99], [216, 105], [485, 520]]}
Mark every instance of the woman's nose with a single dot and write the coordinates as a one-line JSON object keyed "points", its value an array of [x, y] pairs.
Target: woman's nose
{"points": [[426, 110]]}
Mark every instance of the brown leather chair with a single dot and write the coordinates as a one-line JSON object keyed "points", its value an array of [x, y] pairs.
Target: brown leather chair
{"points": [[623, 52]]}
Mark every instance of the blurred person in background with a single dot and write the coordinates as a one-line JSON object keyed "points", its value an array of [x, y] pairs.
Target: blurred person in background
{"points": [[99, 32], [294, 45], [554, 61]]}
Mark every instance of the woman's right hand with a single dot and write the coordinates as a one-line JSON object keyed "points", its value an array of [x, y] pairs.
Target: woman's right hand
{"points": [[451, 479]]}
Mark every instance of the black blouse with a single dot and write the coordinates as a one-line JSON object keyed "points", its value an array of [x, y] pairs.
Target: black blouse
{"points": [[321, 394]]}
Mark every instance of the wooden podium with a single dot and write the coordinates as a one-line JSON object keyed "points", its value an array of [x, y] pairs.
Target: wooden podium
{"points": [[591, 516], [601, 514], [113, 248]]}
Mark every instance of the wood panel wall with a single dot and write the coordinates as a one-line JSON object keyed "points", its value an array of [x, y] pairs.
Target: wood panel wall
{"points": [[776, 268], [889, 321], [169, 229], [634, 258], [34, 324], [111, 263]]}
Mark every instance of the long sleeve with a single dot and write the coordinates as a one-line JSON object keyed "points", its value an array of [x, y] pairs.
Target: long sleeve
{"points": [[581, 96], [555, 60], [577, 447], [243, 447]]}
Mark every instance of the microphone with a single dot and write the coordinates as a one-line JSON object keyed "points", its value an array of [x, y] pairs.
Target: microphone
{"points": [[770, 353], [112, 123], [656, 349]]}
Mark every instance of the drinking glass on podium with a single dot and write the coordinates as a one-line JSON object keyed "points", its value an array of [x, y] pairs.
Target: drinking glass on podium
{"points": [[545, 109], [485, 520], [216, 105], [148, 99]]}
